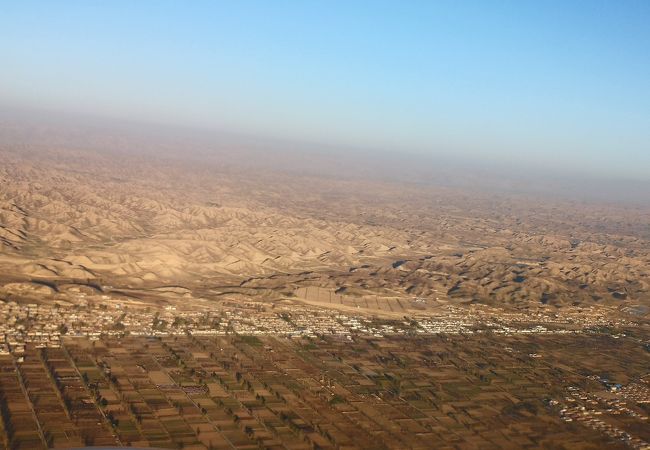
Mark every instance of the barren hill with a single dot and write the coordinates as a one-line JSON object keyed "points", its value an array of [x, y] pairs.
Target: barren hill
{"points": [[134, 225]]}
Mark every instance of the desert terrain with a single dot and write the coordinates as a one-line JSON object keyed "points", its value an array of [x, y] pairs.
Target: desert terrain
{"points": [[171, 302], [154, 229]]}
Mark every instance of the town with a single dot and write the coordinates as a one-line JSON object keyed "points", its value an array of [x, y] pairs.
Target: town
{"points": [[45, 324]]}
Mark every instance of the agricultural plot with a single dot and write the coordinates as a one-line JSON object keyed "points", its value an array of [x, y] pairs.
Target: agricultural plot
{"points": [[249, 392]]}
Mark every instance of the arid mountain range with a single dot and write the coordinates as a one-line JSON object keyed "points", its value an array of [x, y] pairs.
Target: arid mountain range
{"points": [[157, 228]]}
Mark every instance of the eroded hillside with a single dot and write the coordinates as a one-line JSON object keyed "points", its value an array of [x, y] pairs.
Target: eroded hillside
{"points": [[155, 229]]}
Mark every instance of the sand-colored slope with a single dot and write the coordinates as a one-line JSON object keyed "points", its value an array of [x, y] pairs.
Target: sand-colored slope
{"points": [[72, 216]]}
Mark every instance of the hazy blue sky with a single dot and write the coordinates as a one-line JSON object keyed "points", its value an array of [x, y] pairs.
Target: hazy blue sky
{"points": [[549, 83]]}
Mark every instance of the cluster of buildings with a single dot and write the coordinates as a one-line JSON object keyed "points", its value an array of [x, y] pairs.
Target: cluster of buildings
{"points": [[589, 408], [580, 317], [45, 324]]}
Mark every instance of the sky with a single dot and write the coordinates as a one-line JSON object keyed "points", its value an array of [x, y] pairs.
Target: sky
{"points": [[548, 84]]}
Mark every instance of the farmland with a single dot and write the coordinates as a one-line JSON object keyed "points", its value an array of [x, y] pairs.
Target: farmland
{"points": [[246, 392]]}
